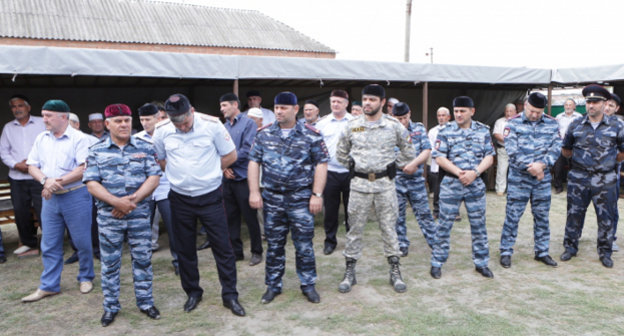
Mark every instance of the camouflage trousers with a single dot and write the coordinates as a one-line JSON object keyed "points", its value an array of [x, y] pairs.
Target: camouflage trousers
{"points": [[285, 212], [522, 188], [412, 189], [452, 193], [386, 208], [136, 227], [600, 189]]}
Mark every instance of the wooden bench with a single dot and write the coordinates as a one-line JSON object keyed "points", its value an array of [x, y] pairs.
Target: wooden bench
{"points": [[6, 207]]}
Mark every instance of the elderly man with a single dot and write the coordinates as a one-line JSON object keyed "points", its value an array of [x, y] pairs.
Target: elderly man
{"points": [[186, 141], [560, 169], [310, 112], [235, 187], [594, 144], [57, 161], [255, 100], [16, 142], [255, 114], [533, 144], [96, 125], [501, 154], [337, 186], [373, 164], [436, 175], [356, 108], [294, 159], [121, 174], [390, 104], [464, 150]]}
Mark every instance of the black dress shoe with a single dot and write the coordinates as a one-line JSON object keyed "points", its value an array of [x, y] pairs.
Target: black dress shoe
{"points": [[547, 260], [151, 312], [505, 261], [565, 256], [329, 249], [108, 318], [606, 261], [192, 303], [72, 259], [485, 271], [269, 295], [204, 245], [312, 295], [404, 251], [436, 272], [234, 306]]}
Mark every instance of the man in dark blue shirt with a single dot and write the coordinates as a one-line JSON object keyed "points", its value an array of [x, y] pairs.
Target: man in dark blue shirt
{"points": [[235, 188]]}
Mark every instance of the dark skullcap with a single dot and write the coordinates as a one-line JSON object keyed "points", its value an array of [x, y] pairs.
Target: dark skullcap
{"points": [[356, 103], [538, 100], [339, 93], [400, 109], [55, 105], [616, 98], [463, 101], [253, 93], [117, 110], [148, 109], [177, 104], [374, 90], [313, 102], [285, 98], [228, 97], [19, 96]]}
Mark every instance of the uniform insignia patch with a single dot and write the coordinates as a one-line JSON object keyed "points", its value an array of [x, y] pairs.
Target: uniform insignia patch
{"points": [[139, 155], [437, 144], [357, 129], [506, 131]]}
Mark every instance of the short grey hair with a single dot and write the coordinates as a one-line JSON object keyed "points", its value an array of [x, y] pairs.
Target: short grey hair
{"points": [[180, 117]]}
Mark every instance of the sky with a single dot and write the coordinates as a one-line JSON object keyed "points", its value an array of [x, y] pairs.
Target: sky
{"points": [[528, 33]]}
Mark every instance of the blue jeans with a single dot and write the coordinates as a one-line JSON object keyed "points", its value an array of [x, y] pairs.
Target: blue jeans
{"points": [[71, 210]]}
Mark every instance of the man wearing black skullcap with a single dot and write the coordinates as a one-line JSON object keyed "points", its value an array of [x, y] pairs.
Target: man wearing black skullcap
{"points": [[595, 143], [193, 149], [533, 144], [367, 146], [255, 100], [235, 187], [310, 112]]}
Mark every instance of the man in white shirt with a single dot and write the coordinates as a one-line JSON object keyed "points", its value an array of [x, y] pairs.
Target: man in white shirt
{"points": [[561, 167], [435, 175], [501, 155]]}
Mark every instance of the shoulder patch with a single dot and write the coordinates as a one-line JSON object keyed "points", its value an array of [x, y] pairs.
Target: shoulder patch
{"points": [[311, 128]]}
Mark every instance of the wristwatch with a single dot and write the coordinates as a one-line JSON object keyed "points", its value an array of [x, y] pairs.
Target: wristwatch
{"points": [[477, 171], [43, 180], [320, 195]]}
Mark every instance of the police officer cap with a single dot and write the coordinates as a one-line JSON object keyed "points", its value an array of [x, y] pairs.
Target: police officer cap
{"points": [[117, 110], [285, 98], [177, 104], [538, 100], [340, 93], [400, 109], [313, 102], [55, 105], [616, 98], [148, 109], [253, 93], [228, 97], [595, 92], [374, 90], [463, 101]]}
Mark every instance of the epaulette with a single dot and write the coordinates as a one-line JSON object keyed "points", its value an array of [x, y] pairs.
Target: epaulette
{"points": [[312, 128], [143, 139], [549, 116], [263, 127], [162, 123], [482, 124], [518, 116], [208, 117]]}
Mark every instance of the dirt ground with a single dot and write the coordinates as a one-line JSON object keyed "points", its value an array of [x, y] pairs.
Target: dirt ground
{"points": [[580, 297]]}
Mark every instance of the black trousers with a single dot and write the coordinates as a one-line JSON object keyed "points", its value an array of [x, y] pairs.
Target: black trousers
{"points": [[337, 186], [209, 209], [236, 199], [433, 179], [560, 171], [24, 195]]}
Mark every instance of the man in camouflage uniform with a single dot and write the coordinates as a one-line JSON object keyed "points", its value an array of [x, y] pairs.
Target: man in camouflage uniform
{"points": [[533, 145], [464, 150], [294, 160], [595, 143], [121, 173], [410, 183], [367, 145]]}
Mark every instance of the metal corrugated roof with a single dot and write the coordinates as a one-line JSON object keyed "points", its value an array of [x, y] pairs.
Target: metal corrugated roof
{"points": [[140, 21]]}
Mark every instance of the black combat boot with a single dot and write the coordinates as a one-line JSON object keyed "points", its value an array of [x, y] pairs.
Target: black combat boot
{"points": [[349, 277], [395, 275]]}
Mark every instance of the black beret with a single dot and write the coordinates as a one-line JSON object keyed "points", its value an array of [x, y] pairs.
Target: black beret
{"points": [[400, 109], [374, 90], [463, 101], [594, 92], [313, 102], [177, 104], [616, 98], [339, 93], [55, 105], [253, 93], [19, 96], [538, 100], [356, 103], [148, 109], [285, 98], [228, 97]]}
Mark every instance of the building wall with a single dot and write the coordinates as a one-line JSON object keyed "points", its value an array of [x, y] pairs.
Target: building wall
{"points": [[163, 47]]}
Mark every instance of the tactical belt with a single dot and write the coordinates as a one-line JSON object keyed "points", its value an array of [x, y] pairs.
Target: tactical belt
{"points": [[65, 191], [371, 176]]}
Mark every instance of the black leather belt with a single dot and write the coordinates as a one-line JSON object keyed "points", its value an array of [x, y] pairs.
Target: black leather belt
{"points": [[371, 176]]}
